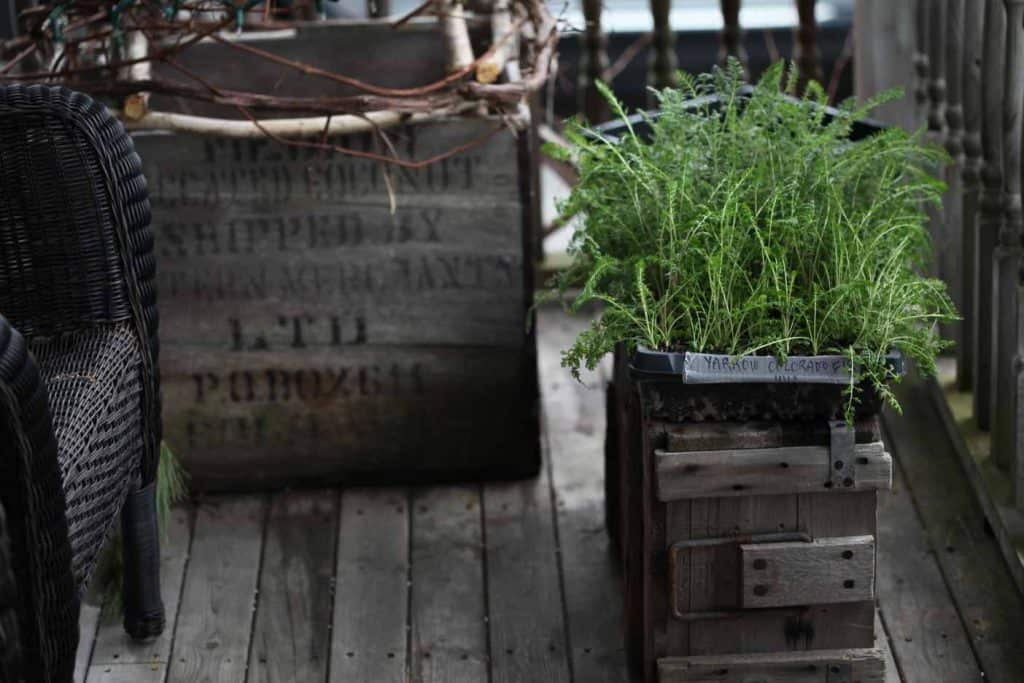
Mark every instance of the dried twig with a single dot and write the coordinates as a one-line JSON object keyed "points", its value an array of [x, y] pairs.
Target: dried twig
{"points": [[266, 128], [9, 66], [627, 56], [152, 37]]}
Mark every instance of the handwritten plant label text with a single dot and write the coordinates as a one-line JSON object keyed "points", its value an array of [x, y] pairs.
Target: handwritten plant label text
{"points": [[713, 368]]}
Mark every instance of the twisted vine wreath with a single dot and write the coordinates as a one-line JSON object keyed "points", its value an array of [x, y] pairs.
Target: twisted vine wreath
{"points": [[106, 48]]}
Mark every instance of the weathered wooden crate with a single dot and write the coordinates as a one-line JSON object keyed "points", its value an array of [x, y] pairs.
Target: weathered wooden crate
{"points": [[308, 332], [747, 545]]}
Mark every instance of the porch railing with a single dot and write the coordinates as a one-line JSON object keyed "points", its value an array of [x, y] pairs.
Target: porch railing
{"points": [[968, 87], [594, 62]]}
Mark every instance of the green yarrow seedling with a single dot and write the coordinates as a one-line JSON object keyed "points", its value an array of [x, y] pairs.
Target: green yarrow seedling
{"points": [[755, 226]]}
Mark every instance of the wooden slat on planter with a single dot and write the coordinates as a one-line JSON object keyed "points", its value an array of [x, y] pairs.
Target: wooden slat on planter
{"points": [[310, 332], [820, 666], [705, 589], [716, 575], [716, 436], [824, 571], [851, 624], [757, 471]]}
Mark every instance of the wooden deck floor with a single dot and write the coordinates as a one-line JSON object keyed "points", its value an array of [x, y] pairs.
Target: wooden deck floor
{"points": [[513, 582]]}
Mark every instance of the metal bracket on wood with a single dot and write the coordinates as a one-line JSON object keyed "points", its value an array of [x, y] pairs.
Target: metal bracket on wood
{"points": [[677, 549], [841, 459]]}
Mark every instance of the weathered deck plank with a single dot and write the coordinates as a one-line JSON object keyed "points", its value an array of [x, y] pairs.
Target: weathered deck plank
{"points": [[115, 657], [892, 674], [127, 673], [211, 642], [928, 638], [524, 595], [88, 624], [978, 580], [291, 635], [369, 640], [573, 427], [449, 615]]}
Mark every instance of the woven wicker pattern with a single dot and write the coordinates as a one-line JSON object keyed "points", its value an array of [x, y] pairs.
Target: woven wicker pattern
{"points": [[94, 381], [77, 280], [31, 493], [75, 244]]}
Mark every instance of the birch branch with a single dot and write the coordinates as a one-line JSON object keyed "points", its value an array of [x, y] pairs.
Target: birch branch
{"points": [[306, 127], [489, 68], [136, 104], [455, 34]]}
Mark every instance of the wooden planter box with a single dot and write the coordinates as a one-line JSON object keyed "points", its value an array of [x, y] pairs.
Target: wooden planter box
{"points": [[309, 334], [744, 518]]}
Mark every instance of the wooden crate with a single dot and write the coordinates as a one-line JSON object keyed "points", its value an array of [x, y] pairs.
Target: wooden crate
{"points": [[309, 333], [746, 547]]}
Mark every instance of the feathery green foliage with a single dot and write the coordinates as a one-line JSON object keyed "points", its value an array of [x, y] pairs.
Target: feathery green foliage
{"points": [[756, 227]]}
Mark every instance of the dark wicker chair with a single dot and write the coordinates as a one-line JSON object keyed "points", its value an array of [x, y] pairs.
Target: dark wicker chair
{"points": [[79, 387], [10, 642]]}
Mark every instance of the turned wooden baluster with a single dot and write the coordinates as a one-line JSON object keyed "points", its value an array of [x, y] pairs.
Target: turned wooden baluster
{"points": [[731, 39], [990, 204], [663, 47], [921, 30], [805, 50], [1006, 432], [937, 121], [974, 26], [593, 63], [952, 203], [378, 8], [936, 65]]}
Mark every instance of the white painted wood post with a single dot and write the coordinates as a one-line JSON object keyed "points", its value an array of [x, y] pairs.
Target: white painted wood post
{"points": [[990, 204], [1005, 428]]}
